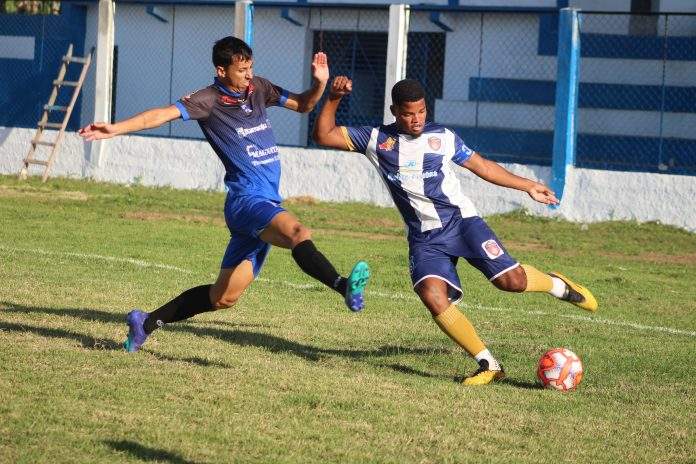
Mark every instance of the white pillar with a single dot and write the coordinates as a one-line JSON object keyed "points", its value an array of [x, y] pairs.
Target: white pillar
{"points": [[104, 61], [396, 53], [244, 21]]}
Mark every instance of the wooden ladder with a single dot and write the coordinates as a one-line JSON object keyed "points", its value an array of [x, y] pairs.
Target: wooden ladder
{"points": [[52, 107]]}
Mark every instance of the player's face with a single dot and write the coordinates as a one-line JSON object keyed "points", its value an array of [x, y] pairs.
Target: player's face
{"points": [[236, 75], [410, 116]]}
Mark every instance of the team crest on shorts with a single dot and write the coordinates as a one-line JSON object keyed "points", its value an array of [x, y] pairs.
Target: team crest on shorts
{"points": [[435, 143], [387, 144], [492, 248]]}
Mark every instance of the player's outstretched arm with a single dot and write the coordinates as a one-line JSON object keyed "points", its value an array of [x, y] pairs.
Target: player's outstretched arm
{"points": [[149, 119], [307, 100], [325, 130], [498, 175]]}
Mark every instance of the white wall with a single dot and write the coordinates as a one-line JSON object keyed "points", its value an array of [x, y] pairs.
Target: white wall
{"points": [[590, 195]]}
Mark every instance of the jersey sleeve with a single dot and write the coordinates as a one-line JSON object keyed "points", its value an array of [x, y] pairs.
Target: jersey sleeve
{"points": [[273, 95], [196, 106], [461, 152], [357, 138]]}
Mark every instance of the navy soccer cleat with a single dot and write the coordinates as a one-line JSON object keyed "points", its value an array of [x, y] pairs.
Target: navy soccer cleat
{"points": [[136, 331], [355, 288]]}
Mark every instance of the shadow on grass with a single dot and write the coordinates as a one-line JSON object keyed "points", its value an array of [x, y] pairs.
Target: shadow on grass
{"points": [[234, 336], [86, 341], [146, 454], [521, 384], [237, 337]]}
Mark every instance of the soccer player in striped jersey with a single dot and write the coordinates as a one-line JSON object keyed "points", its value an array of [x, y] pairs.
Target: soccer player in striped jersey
{"points": [[232, 115], [413, 158]]}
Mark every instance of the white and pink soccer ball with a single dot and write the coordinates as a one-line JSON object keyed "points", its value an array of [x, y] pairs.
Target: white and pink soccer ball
{"points": [[560, 369]]}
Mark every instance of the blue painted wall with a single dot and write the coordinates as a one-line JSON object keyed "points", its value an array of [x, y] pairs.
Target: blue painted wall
{"points": [[25, 85]]}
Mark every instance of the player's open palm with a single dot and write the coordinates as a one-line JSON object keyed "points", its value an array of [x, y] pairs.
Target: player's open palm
{"points": [[543, 194], [97, 131], [341, 86], [320, 67]]}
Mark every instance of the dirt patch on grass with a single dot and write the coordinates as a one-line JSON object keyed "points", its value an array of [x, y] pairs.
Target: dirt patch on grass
{"points": [[526, 246], [159, 216], [301, 200], [357, 234], [657, 258], [24, 192]]}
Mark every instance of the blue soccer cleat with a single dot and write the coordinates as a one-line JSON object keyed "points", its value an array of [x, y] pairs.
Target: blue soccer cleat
{"points": [[357, 281], [136, 331]]}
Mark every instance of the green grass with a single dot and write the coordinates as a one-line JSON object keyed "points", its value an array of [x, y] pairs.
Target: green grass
{"points": [[290, 375]]}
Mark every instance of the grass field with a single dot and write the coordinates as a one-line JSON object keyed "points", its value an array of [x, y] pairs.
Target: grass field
{"points": [[289, 375]]}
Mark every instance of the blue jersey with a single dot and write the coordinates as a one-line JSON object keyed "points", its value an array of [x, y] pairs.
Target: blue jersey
{"points": [[237, 128], [417, 171]]}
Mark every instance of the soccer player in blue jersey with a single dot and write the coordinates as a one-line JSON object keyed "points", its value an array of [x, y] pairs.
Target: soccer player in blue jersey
{"points": [[232, 115], [413, 157]]}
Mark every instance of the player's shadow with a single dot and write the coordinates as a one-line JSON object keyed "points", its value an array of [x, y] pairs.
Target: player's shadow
{"points": [[276, 344], [86, 341], [234, 336], [521, 384], [145, 453]]}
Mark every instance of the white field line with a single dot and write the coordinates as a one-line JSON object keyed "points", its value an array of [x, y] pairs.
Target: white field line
{"points": [[389, 295], [89, 256]]}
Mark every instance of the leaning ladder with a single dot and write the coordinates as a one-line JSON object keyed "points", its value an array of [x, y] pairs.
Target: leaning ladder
{"points": [[52, 107]]}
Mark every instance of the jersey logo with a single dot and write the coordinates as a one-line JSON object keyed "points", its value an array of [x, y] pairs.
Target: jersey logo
{"points": [[435, 143], [492, 249], [228, 101], [387, 144]]}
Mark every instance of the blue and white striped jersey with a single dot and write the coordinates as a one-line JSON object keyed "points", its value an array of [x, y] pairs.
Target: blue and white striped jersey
{"points": [[417, 171]]}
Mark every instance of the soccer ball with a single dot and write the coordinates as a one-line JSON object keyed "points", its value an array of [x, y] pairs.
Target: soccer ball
{"points": [[560, 369]]}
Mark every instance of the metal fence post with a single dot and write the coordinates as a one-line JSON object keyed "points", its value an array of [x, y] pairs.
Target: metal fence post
{"points": [[567, 78], [244, 21], [102, 81], [396, 53]]}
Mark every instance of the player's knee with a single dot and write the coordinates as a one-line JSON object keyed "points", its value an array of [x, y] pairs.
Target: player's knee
{"points": [[299, 234], [512, 281], [432, 297]]}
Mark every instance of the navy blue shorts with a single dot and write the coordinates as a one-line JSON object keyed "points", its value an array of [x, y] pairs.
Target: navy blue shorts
{"points": [[435, 253], [246, 218]]}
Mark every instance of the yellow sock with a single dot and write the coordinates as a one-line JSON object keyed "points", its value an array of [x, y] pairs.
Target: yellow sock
{"points": [[458, 328], [537, 281]]}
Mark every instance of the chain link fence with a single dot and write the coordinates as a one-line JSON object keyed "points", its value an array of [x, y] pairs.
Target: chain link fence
{"points": [[163, 52], [490, 76], [355, 41], [487, 77], [637, 96]]}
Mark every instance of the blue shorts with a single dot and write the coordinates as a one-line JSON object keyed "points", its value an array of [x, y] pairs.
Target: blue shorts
{"points": [[246, 218], [435, 253]]}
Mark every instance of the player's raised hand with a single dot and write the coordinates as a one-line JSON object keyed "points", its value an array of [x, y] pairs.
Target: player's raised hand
{"points": [[97, 131], [543, 194], [340, 87], [320, 67]]}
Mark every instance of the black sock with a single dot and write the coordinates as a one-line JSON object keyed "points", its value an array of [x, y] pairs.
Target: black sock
{"points": [[315, 264], [193, 301]]}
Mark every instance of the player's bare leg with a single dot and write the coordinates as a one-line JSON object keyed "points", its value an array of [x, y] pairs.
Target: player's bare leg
{"points": [[526, 278], [224, 293], [433, 293], [286, 231]]}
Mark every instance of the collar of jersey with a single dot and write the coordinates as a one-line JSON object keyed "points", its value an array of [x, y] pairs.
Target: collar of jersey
{"points": [[221, 87]]}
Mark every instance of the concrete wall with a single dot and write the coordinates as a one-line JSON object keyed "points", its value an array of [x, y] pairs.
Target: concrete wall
{"points": [[590, 195]]}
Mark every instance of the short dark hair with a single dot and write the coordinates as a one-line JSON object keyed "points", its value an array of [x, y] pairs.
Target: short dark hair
{"points": [[227, 48], [407, 90]]}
